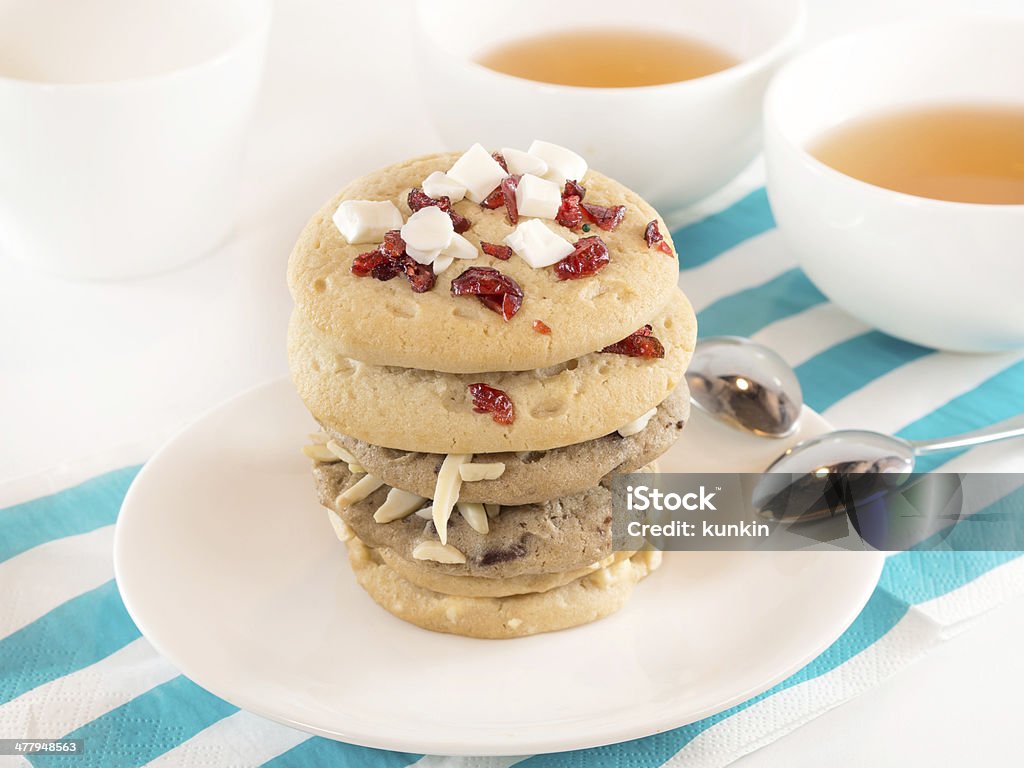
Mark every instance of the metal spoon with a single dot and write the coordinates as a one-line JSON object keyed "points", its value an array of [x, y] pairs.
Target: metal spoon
{"points": [[800, 471], [745, 385]]}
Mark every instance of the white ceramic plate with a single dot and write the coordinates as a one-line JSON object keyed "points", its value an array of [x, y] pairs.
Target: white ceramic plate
{"points": [[230, 568]]}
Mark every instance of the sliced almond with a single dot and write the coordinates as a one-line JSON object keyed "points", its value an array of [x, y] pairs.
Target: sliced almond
{"points": [[320, 453], [638, 424], [319, 438], [356, 469], [341, 452], [366, 485], [438, 552], [493, 510], [341, 528], [427, 513], [398, 504], [474, 514], [446, 492], [471, 473]]}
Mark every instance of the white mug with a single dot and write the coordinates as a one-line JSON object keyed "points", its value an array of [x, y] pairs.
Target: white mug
{"points": [[121, 129], [939, 273], [673, 143]]}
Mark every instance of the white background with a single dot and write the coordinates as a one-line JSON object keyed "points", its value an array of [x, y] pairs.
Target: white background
{"points": [[90, 372]]}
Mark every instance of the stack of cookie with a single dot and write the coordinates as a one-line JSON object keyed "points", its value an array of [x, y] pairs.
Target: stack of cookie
{"points": [[484, 340]]}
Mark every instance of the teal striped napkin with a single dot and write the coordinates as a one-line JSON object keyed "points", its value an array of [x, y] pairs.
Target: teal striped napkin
{"points": [[72, 663]]}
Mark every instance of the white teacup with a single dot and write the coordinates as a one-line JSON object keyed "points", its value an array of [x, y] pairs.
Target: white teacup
{"points": [[942, 274], [121, 129], [673, 143]]}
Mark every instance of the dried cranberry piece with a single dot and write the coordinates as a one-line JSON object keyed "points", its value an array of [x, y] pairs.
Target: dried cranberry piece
{"points": [[541, 327], [365, 263], [640, 343], [487, 399], [652, 236], [500, 160], [606, 218], [496, 291], [393, 245], [388, 269], [569, 212], [502, 252], [574, 188], [508, 191], [589, 256], [459, 222], [644, 330], [419, 199], [494, 200], [389, 260], [421, 277]]}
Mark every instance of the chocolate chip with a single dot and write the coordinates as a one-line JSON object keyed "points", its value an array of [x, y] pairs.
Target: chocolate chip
{"points": [[495, 556]]}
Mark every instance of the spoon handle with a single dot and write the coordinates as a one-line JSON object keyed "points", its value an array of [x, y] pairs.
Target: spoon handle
{"points": [[1004, 430]]}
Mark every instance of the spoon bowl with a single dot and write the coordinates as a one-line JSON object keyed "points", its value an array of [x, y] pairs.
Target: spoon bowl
{"points": [[745, 385], [825, 475]]}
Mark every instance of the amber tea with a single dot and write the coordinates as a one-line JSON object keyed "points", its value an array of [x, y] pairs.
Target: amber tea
{"points": [[607, 58], [966, 154]]}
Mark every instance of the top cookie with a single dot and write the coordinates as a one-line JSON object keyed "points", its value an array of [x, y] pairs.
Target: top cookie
{"points": [[386, 323]]}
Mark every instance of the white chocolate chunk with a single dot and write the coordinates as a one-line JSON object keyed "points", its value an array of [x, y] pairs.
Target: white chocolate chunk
{"points": [[446, 492], [366, 221], [398, 504], [514, 623], [493, 510], [438, 552], [460, 248], [359, 491], [320, 453], [474, 514], [340, 451], [562, 163], [439, 184], [537, 245], [538, 197], [471, 473], [649, 557], [523, 162], [442, 262], [637, 425], [341, 529], [601, 578], [428, 230], [478, 172]]}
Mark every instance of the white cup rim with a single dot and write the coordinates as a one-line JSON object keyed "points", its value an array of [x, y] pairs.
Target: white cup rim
{"points": [[772, 107], [790, 37], [262, 13]]}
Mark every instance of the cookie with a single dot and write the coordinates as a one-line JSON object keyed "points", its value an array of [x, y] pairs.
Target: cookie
{"points": [[532, 476], [432, 412], [554, 536], [581, 601], [385, 323], [472, 586]]}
